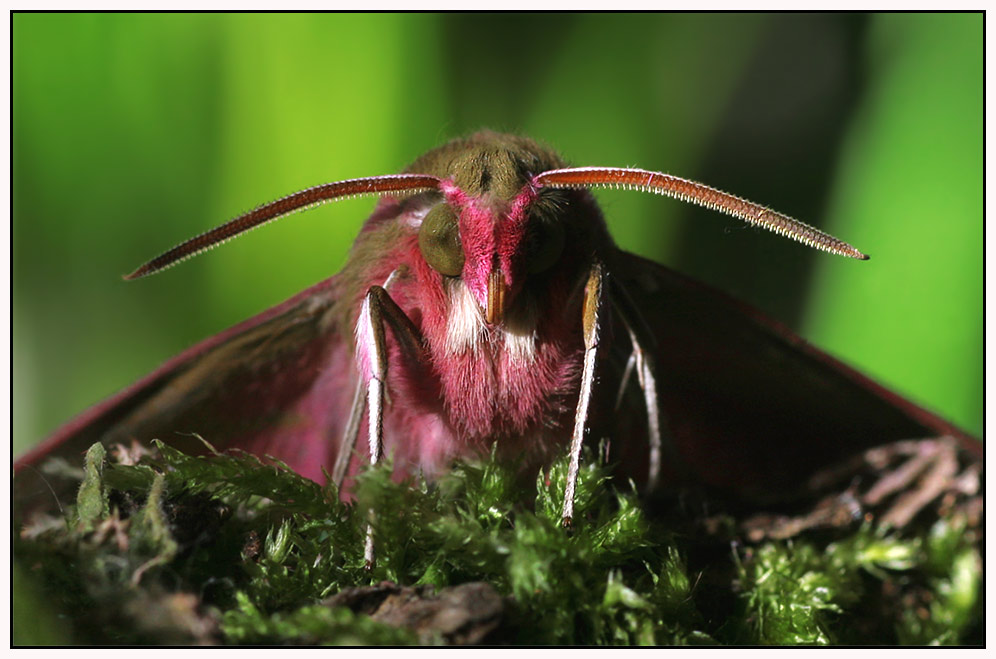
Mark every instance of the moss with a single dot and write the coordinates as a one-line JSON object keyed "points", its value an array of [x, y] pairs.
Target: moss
{"points": [[228, 549], [91, 501]]}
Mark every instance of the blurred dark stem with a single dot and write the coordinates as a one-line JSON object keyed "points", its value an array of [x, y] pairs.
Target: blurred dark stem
{"points": [[778, 144], [494, 72]]}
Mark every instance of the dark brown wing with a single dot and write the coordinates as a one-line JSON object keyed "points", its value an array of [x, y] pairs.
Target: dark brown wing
{"points": [[272, 385], [747, 404]]}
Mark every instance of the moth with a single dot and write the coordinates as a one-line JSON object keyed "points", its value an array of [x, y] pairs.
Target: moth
{"points": [[484, 303]]}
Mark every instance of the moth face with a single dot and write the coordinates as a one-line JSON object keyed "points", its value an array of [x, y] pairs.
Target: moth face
{"points": [[494, 246]]}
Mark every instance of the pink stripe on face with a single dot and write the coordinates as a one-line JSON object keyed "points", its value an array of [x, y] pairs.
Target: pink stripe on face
{"points": [[510, 239], [477, 236], [490, 240]]}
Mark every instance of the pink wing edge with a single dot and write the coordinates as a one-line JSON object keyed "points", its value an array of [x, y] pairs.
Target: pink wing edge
{"points": [[37, 453]]}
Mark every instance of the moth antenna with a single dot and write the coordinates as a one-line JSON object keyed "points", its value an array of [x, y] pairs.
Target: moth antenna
{"points": [[299, 201], [696, 193]]}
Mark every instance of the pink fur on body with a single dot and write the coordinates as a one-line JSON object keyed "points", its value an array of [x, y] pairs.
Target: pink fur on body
{"points": [[460, 399]]}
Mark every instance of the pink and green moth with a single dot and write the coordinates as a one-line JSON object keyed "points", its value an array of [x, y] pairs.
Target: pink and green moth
{"points": [[484, 303]]}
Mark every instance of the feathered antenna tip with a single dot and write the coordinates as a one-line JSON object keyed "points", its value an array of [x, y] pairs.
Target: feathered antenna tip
{"points": [[697, 193]]}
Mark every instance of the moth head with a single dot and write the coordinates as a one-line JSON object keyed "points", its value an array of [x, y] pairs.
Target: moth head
{"points": [[495, 246]]}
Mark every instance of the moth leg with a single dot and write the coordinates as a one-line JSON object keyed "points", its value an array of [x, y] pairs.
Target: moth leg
{"points": [[349, 436], [347, 443], [644, 345], [624, 381], [378, 309], [590, 319]]}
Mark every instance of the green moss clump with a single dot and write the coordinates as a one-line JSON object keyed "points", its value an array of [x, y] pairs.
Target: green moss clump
{"points": [[228, 549]]}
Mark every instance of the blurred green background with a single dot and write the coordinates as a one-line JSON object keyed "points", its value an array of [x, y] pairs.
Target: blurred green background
{"points": [[133, 132]]}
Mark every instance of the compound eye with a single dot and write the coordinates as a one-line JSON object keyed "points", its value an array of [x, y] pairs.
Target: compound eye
{"points": [[439, 241], [544, 247]]}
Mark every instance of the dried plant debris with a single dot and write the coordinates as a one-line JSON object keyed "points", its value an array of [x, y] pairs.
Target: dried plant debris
{"points": [[166, 548], [457, 615], [889, 485]]}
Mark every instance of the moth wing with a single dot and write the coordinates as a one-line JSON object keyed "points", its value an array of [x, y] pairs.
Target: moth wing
{"points": [[748, 405], [272, 385]]}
